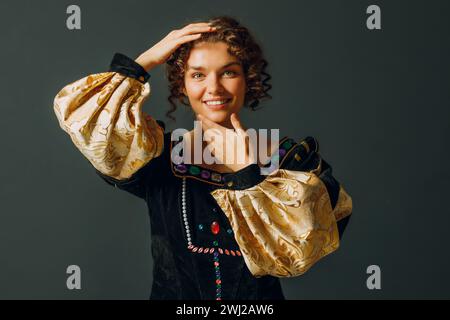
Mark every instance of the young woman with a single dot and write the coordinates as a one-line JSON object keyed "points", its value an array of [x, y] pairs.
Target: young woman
{"points": [[219, 230]]}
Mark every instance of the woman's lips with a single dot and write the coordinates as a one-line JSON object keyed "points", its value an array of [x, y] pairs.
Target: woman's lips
{"points": [[217, 107]]}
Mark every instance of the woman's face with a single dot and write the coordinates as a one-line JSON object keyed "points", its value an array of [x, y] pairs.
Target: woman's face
{"points": [[214, 82]]}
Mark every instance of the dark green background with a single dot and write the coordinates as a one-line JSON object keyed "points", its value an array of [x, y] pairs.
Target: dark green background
{"points": [[377, 101]]}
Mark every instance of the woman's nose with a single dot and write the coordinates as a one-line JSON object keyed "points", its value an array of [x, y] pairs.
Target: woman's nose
{"points": [[214, 85]]}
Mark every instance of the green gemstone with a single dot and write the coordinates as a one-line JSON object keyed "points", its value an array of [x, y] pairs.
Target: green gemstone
{"points": [[216, 243], [287, 145], [194, 170], [218, 286]]}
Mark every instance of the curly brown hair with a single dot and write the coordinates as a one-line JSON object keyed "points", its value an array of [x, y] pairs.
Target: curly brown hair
{"points": [[241, 44]]}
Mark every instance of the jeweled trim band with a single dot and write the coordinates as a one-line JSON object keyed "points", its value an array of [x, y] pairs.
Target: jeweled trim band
{"points": [[197, 249], [216, 178]]}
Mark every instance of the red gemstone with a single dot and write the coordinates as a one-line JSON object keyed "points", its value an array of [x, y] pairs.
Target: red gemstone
{"points": [[200, 250], [211, 250], [238, 253], [218, 281], [215, 227], [232, 253], [190, 247], [227, 252], [206, 250], [195, 249], [216, 264]]}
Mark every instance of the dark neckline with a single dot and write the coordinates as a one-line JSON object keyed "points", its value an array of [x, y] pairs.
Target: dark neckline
{"points": [[182, 170]]}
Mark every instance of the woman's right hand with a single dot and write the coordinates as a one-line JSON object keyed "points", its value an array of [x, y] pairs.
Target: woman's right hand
{"points": [[160, 52]]}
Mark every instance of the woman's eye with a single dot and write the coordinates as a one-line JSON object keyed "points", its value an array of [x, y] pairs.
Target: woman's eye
{"points": [[230, 73], [196, 75]]}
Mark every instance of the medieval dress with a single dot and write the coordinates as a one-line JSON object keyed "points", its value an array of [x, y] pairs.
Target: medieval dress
{"points": [[215, 236]]}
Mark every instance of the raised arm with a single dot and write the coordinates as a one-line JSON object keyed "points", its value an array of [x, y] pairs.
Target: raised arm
{"points": [[102, 113]]}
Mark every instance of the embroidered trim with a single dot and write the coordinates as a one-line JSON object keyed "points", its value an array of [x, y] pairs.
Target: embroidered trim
{"points": [[181, 170], [196, 249], [218, 276], [215, 250]]}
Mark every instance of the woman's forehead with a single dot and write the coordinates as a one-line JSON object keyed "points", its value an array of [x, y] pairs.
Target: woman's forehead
{"points": [[206, 54]]}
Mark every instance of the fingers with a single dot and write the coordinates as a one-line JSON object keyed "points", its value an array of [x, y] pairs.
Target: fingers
{"points": [[240, 131], [190, 37], [199, 24], [189, 33], [236, 122], [190, 27], [194, 29]]}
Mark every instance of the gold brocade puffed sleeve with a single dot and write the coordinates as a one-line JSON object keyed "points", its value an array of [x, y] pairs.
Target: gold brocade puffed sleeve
{"points": [[103, 115], [286, 223]]}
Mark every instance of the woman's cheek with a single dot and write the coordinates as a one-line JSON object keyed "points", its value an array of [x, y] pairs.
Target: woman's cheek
{"points": [[239, 90], [196, 90]]}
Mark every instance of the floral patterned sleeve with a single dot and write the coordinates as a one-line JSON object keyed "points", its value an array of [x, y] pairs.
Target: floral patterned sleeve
{"points": [[102, 114], [288, 220]]}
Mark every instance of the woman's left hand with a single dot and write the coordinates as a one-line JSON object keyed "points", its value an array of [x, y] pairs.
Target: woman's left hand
{"points": [[232, 148]]}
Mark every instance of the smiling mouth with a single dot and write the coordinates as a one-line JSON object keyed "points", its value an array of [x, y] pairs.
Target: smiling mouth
{"points": [[217, 104]]}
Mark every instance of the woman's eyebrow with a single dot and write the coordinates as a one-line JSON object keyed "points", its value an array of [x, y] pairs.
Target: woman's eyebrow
{"points": [[223, 67]]}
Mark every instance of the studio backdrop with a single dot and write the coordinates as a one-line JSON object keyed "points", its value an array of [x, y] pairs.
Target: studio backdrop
{"points": [[368, 79]]}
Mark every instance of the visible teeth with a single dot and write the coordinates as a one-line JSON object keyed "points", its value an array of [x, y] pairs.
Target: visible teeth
{"points": [[212, 103]]}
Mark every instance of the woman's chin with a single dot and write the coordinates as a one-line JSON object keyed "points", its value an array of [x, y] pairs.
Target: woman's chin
{"points": [[218, 116]]}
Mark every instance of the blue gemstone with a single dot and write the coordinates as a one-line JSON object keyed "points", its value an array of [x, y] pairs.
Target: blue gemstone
{"points": [[200, 227]]}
